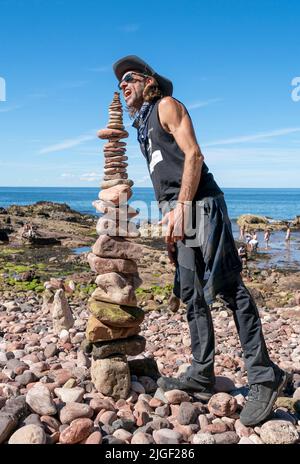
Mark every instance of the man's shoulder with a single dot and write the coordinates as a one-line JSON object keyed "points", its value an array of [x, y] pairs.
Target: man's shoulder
{"points": [[170, 105], [169, 101]]}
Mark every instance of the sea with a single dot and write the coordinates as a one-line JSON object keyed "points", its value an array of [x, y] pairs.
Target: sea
{"points": [[273, 203]]}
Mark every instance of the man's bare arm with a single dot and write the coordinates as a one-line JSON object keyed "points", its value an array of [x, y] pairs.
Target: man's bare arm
{"points": [[175, 120]]}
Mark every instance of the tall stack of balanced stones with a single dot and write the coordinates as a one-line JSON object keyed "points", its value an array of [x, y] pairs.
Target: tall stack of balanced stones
{"points": [[114, 323]]}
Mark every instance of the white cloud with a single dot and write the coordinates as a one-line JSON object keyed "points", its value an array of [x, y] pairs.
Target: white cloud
{"points": [[90, 177], [201, 104], [143, 180], [251, 138], [66, 144], [67, 175]]}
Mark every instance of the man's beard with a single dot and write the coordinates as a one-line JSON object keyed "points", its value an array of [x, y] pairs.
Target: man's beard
{"points": [[135, 106], [132, 110]]}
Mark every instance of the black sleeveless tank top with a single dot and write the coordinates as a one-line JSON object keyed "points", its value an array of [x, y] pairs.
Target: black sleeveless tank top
{"points": [[165, 162]]}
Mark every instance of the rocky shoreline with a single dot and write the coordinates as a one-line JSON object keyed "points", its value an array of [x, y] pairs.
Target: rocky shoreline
{"points": [[46, 393], [253, 222]]}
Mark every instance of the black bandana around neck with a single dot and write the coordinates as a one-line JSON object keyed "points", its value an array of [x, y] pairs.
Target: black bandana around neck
{"points": [[140, 121]]}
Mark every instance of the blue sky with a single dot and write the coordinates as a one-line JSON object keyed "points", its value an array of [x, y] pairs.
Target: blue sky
{"points": [[232, 63]]}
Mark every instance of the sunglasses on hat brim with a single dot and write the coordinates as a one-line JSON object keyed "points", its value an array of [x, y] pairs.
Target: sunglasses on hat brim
{"points": [[130, 78]]}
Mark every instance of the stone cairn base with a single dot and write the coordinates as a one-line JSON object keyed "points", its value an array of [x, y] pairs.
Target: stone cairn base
{"points": [[114, 324]]}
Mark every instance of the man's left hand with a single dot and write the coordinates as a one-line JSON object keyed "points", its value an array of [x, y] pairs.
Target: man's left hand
{"points": [[174, 220]]}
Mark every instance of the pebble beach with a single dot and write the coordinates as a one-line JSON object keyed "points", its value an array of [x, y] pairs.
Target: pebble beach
{"points": [[46, 392]]}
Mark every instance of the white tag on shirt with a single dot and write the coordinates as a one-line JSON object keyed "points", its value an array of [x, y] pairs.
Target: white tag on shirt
{"points": [[156, 158]]}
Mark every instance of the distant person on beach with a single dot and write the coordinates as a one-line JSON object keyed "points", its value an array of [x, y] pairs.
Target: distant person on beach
{"points": [[253, 242], [248, 237], [288, 234], [208, 260], [243, 255], [242, 232], [267, 237]]}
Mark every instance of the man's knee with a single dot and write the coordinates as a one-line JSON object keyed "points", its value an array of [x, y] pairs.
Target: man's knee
{"points": [[186, 293]]}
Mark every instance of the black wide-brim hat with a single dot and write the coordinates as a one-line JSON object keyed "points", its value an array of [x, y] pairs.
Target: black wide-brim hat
{"points": [[134, 63]]}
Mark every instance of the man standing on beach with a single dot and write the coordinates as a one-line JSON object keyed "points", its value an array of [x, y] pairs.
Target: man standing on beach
{"points": [[288, 234], [267, 237], [183, 185]]}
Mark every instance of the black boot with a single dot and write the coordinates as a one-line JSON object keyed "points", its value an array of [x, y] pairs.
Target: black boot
{"points": [[187, 384], [261, 399]]}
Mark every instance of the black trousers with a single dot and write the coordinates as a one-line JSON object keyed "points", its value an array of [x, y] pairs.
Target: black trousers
{"points": [[258, 364]]}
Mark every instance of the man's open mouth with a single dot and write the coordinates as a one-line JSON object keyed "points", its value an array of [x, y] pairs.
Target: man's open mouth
{"points": [[127, 93]]}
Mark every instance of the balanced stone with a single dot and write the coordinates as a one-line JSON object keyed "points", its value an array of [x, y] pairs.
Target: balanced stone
{"points": [[114, 151], [116, 114], [114, 145], [114, 315], [111, 155], [106, 226], [131, 346], [115, 165], [117, 158], [116, 104], [115, 176], [118, 162], [111, 376], [114, 170], [112, 183], [96, 331], [117, 194], [112, 134], [115, 318], [104, 265], [106, 281], [112, 212], [121, 296], [108, 247], [115, 120], [115, 126]]}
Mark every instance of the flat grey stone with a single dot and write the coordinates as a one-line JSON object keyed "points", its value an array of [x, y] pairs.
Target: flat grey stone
{"points": [[16, 407]]}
